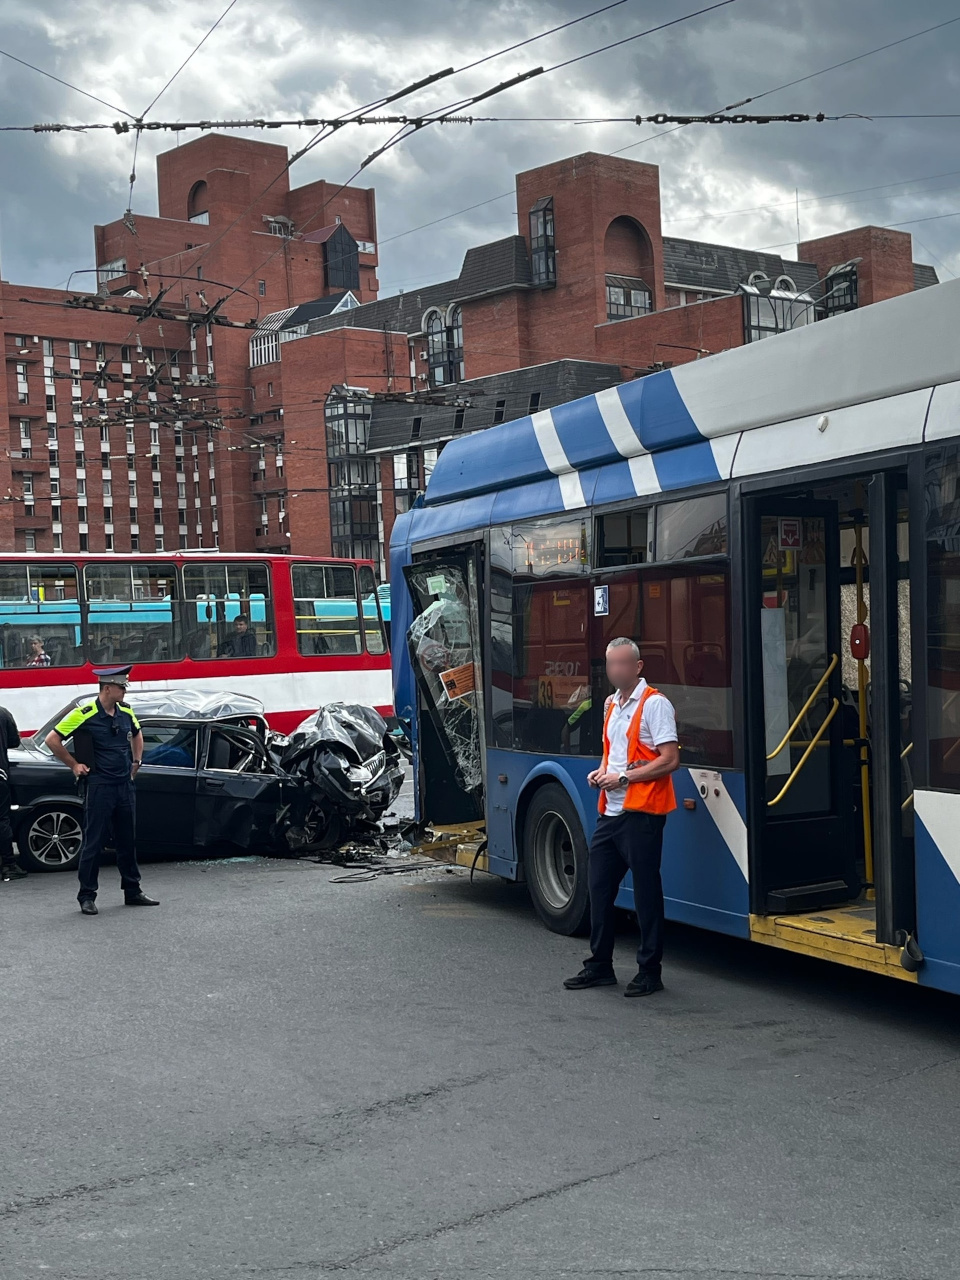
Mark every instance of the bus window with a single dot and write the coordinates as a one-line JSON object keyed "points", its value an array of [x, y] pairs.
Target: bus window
{"points": [[623, 537], [551, 663], [39, 616], [228, 611], [326, 610], [372, 625], [683, 638], [694, 527], [131, 613]]}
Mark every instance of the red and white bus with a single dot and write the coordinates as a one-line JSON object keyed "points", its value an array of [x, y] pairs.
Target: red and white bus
{"points": [[293, 631]]}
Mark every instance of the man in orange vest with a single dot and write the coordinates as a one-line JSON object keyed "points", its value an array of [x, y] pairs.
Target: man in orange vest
{"points": [[640, 752]]}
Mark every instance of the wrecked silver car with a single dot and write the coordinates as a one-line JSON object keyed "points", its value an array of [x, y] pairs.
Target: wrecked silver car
{"points": [[215, 781]]}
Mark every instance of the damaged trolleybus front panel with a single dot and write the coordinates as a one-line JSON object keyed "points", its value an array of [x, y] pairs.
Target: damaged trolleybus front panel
{"points": [[776, 527]]}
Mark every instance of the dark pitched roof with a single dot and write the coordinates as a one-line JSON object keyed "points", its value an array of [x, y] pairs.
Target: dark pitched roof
{"points": [[488, 268], [695, 264], [402, 313], [391, 425], [924, 276], [491, 268]]}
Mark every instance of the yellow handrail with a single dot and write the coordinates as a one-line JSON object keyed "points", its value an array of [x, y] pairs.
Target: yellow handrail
{"points": [[806, 707], [803, 759], [908, 801], [906, 751]]}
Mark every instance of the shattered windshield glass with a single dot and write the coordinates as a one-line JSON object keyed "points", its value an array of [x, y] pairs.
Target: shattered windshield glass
{"points": [[444, 647]]}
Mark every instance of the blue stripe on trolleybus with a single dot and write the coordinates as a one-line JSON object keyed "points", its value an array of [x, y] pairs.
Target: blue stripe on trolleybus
{"points": [[938, 887]]}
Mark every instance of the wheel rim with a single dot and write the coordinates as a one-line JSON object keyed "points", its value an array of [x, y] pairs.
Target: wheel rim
{"points": [[554, 861], [54, 838]]}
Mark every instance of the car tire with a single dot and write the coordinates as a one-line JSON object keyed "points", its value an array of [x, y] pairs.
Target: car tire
{"points": [[50, 836], [555, 860]]}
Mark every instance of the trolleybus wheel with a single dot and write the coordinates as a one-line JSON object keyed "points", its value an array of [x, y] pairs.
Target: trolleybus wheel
{"points": [[555, 861]]}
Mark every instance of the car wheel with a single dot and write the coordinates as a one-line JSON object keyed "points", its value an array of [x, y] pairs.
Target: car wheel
{"points": [[49, 839], [555, 861]]}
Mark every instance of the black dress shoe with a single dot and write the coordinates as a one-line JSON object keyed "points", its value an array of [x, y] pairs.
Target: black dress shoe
{"points": [[139, 899], [12, 871], [590, 978], [644, 984], [89, 907]]}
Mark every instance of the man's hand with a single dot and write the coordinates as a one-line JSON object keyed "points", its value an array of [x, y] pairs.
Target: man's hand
{"points": [[593, 775], [609, 780], [79, 770]]}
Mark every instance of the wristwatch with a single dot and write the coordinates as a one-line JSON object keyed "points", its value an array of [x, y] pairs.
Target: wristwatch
{"points": [[624, 780]]}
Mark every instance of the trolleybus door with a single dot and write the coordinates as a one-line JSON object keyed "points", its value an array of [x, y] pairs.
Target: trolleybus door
{"points": [[444, 646], [803, 856]]}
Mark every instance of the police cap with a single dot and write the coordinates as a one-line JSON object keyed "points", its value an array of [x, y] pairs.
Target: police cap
{"points": [[113, 675]]}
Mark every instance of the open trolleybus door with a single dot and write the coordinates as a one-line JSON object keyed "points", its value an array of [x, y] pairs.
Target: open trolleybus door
{"points": [[803, 851], [445, 652]]}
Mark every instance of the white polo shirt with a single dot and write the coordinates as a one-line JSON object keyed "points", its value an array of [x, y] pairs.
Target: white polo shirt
{"points": [[657, 726]]}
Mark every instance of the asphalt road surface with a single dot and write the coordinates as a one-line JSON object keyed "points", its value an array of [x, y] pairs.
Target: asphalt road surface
{"points": [[271, 1075]]}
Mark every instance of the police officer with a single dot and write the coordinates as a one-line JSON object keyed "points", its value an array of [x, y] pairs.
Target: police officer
{"points": [[108, 749]]}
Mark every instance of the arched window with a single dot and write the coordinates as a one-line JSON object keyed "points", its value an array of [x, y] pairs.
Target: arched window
{"points": [[628, 266], [445, 347], [197, 203]]}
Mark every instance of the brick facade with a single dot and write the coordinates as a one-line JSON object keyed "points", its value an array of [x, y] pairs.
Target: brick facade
{"points": [[265, 456]]}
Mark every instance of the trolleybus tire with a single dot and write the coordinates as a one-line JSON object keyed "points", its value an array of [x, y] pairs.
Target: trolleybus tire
{"points": [[555, 859], [50, 836]]}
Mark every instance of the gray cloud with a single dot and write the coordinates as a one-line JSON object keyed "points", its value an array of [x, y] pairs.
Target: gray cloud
{"points": [[303, 57]]}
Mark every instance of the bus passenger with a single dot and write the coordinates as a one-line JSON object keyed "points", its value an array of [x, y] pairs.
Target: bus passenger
{"points": [[243, 642], [640, 752], [37, 658]]}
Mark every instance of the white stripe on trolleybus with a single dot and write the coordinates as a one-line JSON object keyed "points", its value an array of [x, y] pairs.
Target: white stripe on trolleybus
{"points": [[625, 439], [278, 691]]}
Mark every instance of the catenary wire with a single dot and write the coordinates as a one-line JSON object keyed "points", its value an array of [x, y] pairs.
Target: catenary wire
{"points": [[66, 83], [193, 51]]}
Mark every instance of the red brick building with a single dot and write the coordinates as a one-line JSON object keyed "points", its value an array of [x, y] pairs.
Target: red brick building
{"points": [[250, 448]]}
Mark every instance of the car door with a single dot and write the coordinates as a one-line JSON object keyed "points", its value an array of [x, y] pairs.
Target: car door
{"points": [[166, 786], [238, 794]]}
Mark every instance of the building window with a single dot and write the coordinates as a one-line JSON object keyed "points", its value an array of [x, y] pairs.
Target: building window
{"points": [[264, 349], [768, 313], [341, 262], [84, 542], [458, 419], [197, 204], [108, 271], [499, 411], [416, 428], [134, 542], [30, 540], [261, 288], [841, 290], [445, 348], [74, 348], [534, 405], [48, 346], [627, 296], [543, 251], [269, 388]]}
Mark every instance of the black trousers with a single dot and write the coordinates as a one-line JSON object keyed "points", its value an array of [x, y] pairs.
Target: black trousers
{"points": [[110, 801], [6, 825], [628, 841]]}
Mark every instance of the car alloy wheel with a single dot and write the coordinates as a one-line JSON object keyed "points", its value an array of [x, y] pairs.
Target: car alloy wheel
{"points": [[52, 839]]}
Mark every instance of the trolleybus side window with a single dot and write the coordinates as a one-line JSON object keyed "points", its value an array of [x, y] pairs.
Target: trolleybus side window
{"points": [[40, 621], [372, 622], [552, 665], [326, 609], [693, 527], [943, 615], [132, 613], [228, 611]]}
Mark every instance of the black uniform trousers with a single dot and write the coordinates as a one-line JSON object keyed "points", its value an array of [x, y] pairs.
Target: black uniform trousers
{"points": [[110, 801], [6, 825], [628, 841]]}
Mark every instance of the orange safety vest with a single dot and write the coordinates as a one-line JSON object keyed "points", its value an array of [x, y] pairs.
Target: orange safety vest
{"points": [[656, 796]]}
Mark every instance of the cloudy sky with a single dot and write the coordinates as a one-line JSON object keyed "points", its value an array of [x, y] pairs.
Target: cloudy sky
{"points": [[292, 58]]}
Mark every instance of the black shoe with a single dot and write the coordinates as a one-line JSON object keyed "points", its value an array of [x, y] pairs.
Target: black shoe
{"points": [[644, 984], [139, 899], [89, 907], [12, 871], [590, 978]]}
